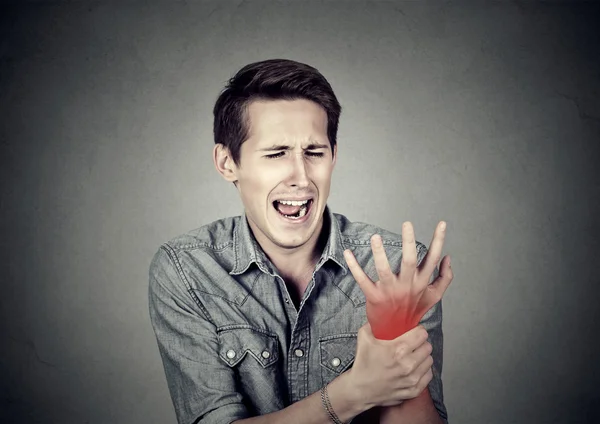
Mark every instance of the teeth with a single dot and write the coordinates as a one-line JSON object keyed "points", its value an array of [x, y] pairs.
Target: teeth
{"points": [[293, 202]]}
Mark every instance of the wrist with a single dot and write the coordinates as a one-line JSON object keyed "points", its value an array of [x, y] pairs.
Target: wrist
{"points": [[345, 399]]}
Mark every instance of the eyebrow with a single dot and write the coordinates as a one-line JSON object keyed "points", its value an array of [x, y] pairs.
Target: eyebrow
{"points": [[311, 146]]}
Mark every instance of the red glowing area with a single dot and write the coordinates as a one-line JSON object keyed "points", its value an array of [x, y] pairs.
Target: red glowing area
{"points": [[397, 302], [388, 324]]}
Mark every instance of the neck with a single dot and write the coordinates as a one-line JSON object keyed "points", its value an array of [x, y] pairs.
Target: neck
{"points": [[296, 261]]}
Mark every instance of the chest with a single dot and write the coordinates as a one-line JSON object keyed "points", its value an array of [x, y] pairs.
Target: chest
{"points": [[296, 285]]}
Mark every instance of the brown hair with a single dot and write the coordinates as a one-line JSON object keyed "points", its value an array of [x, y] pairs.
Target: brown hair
{"points": [[274, 79]]}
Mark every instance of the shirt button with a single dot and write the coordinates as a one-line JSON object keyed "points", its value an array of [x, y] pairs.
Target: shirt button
{"points": [[266, 354], [287, 300], [230, 354], [335, 362], [299, 353]]}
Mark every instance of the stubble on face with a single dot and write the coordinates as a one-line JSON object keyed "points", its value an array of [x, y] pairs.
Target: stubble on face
{"points": [[295, 173]]}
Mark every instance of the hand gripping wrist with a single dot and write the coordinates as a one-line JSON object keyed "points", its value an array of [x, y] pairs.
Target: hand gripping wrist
{"points": [[327, 405]]}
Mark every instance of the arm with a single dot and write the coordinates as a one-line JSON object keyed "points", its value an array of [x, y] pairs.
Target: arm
{"points": [[428, 407], [398, 302], [202, 386], [382, 374], [418, 410], [310, 409]]}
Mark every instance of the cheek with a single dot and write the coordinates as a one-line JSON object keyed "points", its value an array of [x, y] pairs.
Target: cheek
{"points": [[322, 175], [258, 186]]}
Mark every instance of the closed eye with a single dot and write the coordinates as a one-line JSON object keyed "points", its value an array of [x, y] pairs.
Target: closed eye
{"points": [[278, 155]]}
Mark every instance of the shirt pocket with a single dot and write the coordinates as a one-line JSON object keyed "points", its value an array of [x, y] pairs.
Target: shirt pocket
{"points": [[253, 356], [239, 342], [336, 355]]}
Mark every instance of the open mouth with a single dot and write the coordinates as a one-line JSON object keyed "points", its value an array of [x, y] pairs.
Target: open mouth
{"points": [[294, 212]]}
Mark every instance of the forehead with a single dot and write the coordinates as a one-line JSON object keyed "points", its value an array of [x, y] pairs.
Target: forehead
{"points": [[281, 120]]}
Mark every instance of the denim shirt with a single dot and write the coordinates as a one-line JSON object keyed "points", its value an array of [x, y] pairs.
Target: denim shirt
{"points": [[233, 344]]}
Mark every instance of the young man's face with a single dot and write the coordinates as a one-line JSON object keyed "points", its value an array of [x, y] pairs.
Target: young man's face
{"points": [[268, 174]]}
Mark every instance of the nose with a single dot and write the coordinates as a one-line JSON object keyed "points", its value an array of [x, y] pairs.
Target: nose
{"points": [[299, 176]]}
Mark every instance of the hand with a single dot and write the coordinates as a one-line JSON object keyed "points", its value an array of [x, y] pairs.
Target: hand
{"points": [[397, 302], [387, 372]]}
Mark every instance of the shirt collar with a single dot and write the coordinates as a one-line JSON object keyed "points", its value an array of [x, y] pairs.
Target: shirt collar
{"points": [[247, 249]]}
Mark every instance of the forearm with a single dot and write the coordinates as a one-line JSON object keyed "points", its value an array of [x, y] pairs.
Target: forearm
{"points": [[419, 410], [310, 410]]}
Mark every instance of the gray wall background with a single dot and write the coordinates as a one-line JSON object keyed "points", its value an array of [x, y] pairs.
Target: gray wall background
{"points": [[486, 115]]}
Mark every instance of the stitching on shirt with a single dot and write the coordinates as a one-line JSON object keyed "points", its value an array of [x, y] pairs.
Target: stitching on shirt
{"points": [[348, 359], [338, 336], [273, 345], [258, 275], [229, 327], [235, 243], [234, 301], [173, 257], [355, 301], [194, 246], [356, 304]]}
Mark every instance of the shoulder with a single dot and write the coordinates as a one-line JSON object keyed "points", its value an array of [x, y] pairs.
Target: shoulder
{"points": [[357, 234], [197, 257], [215, 235], [210, 243]]}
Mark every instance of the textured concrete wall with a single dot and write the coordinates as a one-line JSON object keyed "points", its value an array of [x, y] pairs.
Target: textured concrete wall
{"points": [[486, 115]]}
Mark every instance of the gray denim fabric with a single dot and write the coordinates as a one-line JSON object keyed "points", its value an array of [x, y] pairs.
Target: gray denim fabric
{"points": [[233, 344]]}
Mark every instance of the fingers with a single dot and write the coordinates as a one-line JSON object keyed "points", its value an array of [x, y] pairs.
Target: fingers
{"points": [[381, 262], [441, 283], [409, 254], [411, 340], [434, 253], [363, 280], [422, 352], [426, 373]]}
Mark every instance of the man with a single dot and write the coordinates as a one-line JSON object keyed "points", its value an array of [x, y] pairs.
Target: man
{"points": [[263, 318]]}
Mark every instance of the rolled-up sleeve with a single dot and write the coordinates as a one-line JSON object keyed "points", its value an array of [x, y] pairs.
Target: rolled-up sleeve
{"points": [[202, 386], [432, 321]]}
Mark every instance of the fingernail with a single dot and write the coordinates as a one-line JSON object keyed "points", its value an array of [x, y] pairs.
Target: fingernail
{"points": [[443, 226]]}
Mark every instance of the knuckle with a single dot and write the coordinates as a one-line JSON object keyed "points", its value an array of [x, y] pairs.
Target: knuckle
{"points": [[404, 369], [436, 296], [428, 362], [401, 350], [413, 380], [411, 366], [427, 378], [383, 272]]}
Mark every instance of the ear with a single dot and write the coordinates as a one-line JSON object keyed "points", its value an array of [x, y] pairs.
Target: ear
{"points": [[224, 163]]}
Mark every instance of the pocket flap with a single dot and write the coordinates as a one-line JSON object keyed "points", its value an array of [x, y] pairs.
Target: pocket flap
{"points": [[235, 343], [337, 352]]}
